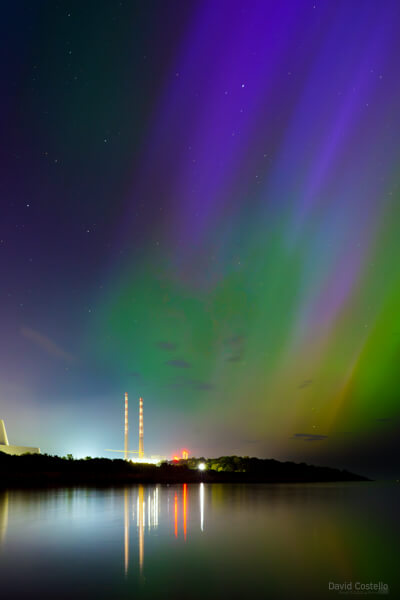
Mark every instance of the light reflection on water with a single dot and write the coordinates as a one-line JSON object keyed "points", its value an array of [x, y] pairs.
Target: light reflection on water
{"points": [[135, 496], [198, 540], [3, 515]]}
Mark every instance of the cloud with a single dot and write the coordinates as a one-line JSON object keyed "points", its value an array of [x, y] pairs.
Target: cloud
{"points": [[236, 348], [179, 363], [174, 386], [46, 344], [203, 385], [234, 340], [167, 346], [305, 383], [134, 374], [309, 437], [186, 383]]}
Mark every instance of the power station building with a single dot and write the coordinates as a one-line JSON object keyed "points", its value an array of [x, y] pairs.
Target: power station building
{"points": [[17, 450]]}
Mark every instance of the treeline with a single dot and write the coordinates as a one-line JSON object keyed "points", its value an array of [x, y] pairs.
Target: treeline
{"points": [[268, 469], [231, 464], [43, 469], [35, 470]]}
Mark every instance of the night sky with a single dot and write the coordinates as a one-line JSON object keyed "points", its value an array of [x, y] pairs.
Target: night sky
{"points": [[200, 206]]}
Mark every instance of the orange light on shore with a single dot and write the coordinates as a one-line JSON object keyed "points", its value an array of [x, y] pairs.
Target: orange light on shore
{"points": [[176, 458], [185, 454]]}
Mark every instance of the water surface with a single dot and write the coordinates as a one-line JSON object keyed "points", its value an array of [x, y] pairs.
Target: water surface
{"points": [[198, 541]]}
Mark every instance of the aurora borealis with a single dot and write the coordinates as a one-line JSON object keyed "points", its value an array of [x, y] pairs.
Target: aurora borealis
{"points": [[200, 206]]}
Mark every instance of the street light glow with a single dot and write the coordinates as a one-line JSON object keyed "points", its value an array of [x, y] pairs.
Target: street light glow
{"points": [[201, 467]]}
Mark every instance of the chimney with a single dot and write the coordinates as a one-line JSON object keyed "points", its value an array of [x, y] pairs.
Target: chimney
{"points": [[126, 426], [141, 451], [3, 434]]}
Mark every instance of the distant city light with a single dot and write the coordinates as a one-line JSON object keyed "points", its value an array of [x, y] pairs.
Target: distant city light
{"points": [[201, 467]]}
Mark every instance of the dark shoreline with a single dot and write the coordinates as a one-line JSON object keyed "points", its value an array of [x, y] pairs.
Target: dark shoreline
{"points": [[42, 471]]}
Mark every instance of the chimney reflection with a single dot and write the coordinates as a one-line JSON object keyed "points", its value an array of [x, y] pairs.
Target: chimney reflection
{"points": [[141, 524], [176, 515], [142, 505], [126, 529]]}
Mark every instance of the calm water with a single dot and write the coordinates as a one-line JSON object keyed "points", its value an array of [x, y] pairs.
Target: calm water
{"points": [[198, 541]]}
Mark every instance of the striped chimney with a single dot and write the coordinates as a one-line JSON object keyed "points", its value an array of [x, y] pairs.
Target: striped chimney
{"points": [[141, 451], [126, 426]]}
